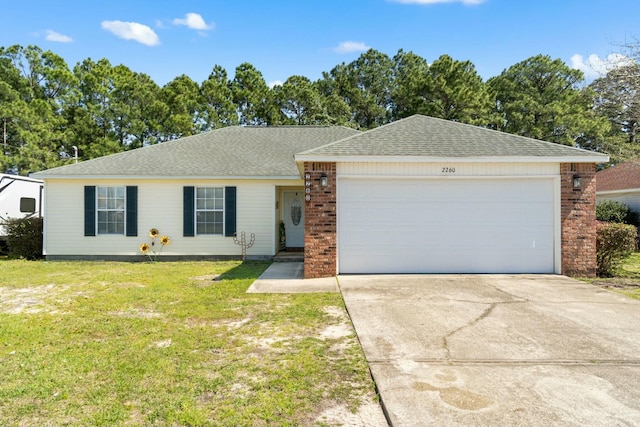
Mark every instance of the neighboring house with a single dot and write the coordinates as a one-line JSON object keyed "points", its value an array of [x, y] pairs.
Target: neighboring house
{"points": [[419, 195], [620, 183]]}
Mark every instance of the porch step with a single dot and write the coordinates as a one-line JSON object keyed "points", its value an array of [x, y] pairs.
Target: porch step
{"points": [[284, 256]]}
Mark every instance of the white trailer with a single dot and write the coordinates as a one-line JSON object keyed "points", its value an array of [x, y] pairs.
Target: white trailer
{"points": [[20, 197]]}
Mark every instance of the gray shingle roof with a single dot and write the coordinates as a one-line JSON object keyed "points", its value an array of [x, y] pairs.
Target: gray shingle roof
{"points": [[422, 136], [228, 152]]}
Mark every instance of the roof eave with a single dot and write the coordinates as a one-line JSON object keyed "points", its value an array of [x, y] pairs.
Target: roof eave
{"points": [[185, 177], [595, 158], [614, 192]]}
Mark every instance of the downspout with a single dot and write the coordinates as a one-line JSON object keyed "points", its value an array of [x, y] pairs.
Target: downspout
{"points": [[44, 224]]}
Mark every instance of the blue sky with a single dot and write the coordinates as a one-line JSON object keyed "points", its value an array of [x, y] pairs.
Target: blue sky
{"points": [[282, 38]]}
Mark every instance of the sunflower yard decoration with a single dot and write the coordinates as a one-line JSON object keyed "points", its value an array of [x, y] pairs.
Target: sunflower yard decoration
{"points": [[149, 249]]}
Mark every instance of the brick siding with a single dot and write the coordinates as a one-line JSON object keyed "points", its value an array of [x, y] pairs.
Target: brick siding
{"points": [[320, 221], [578, 220]]}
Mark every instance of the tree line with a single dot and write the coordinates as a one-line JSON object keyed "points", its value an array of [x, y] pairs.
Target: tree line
{"points": [[47, 108]]}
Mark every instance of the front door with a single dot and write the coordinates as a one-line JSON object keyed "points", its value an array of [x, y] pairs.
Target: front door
{"points": [[293, 217]]}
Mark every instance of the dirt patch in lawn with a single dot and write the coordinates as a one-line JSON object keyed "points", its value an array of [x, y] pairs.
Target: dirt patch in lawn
{"points": [[136, 313], [617, 283], [31, 300], [368, 414], [627, 286]]}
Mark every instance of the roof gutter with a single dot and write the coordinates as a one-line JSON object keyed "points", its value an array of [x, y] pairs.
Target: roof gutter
{"points": [[595, 158], [167, 178], [615, 192]]}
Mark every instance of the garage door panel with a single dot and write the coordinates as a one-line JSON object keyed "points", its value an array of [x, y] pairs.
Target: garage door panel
{"points": [[480, 238], [440, 226], [459, 260]]}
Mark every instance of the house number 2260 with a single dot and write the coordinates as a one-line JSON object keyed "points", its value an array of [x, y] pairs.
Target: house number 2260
{"points": [[447, 169]]}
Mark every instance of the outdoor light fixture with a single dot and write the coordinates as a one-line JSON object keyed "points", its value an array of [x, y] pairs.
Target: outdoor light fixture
{"points": [[324, 180], [577, 182]]}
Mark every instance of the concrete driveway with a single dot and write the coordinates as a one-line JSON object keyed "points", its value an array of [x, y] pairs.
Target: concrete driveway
{"points": [[498, 350]]}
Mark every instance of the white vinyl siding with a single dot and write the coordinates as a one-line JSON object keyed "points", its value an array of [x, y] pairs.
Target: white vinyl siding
{"points": [[443, 169], [160, 205]]}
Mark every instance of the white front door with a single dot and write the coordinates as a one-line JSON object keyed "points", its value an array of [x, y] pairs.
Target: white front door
{"points": [[293, 217]]}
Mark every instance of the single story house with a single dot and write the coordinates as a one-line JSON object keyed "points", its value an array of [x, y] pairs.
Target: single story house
{"points": [[419, 195], [620, 183]]}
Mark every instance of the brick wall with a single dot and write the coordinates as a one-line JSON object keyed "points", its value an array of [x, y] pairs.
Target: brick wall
{"points": [[320, 221], [578, 215]]}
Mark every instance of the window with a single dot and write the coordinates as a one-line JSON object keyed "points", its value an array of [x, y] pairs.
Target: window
{"points": [[106, 212], [110, 209], [27, 204], [210, 210]]}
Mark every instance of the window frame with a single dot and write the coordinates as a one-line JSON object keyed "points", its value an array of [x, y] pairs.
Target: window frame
{"points": [[122, 231], [221, 209]]}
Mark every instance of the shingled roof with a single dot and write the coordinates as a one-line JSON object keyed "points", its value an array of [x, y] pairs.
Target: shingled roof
{"points": [[238, 152], [431, 138], [625, 176]]}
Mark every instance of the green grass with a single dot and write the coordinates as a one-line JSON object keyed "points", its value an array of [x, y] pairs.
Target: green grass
{"points": [[627, 278], [94, 343], [631, 267]]}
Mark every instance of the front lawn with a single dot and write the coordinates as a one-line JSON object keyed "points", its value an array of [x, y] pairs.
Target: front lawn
{"points": [[95, 343], [627, 279]]}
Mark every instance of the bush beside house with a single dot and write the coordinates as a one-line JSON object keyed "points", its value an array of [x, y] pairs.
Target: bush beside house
{"points": [[614, 243], [613, 211], [24, 237]]}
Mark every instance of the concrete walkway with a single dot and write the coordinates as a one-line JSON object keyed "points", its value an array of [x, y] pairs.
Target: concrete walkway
{"points": [[286, 278], [498, 350]]}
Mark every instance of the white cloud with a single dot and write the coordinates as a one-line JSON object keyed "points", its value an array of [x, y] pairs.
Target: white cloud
{"points": [[465, 2], [350, 46], [274, 84], [193, 21], [132, 31], [595, 66], [53, 36]]}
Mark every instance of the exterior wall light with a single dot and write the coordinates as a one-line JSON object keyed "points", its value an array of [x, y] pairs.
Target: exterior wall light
{"points": [[324, 180], [577, 182]]}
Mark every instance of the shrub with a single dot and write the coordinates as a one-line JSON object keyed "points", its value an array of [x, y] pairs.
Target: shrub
{"points": [[612, 211], [24, 237], [614, 243]]}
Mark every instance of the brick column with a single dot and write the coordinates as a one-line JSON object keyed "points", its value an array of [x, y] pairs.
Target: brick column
{"points": [[578, 212], [320, 225]]}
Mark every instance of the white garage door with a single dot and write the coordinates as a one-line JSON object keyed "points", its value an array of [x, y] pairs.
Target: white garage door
{"points": [[445, 226]]}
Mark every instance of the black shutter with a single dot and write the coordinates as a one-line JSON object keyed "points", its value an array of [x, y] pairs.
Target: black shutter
{"points": [[229, 211], [132, 211], [89, 210], [188, 226]]}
